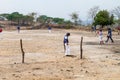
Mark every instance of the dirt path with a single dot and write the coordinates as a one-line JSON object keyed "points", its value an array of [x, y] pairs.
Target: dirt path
{"points": [[45, 60]]}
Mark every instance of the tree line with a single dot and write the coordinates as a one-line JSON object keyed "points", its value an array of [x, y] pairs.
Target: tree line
{"points": [[104, 17], [98, 17], [17, 18]]}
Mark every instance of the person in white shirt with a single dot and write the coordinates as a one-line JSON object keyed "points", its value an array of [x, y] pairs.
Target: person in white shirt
{"points": [[66, 44], [101, 36]]}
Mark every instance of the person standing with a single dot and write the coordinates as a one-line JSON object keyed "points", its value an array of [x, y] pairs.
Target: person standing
{"points": [[66, 44], [101, 36], [18, 28], [94, 28], [109, 35], [49, 29]]}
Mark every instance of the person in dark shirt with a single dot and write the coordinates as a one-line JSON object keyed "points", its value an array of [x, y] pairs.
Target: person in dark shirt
{"points": [[49, 29], [66, 44], [109, 36], [18, 28]]}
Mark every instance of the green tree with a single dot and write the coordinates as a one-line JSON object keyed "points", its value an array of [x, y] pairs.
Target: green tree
{"points": [[103, 18], [27, 20], [68, 24], [58, 20], [42, 19], [46, 19], [111, 21], [5, 15], [15, 17]]}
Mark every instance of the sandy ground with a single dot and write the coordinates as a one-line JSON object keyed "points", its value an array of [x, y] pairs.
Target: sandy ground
{"points": [[45, 60]]}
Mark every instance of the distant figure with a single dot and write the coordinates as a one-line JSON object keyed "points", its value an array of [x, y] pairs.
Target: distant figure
{"points": [[109, 36], [101, 36], [66, 44], [18, 28], [49, 29], [93, 28], [0, 30], [1, 33]]}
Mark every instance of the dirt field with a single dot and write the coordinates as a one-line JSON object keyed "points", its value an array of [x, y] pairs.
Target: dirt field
{"points": [[45, 60]]}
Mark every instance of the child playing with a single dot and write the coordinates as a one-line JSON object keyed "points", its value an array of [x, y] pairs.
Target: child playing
{"points": [[101, 36]]}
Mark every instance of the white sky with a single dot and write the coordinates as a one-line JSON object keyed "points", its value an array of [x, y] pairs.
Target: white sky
{"points": [[56, 8]]}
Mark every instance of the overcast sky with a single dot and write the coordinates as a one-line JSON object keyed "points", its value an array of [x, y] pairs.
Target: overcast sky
{"points": [[56, 8]]}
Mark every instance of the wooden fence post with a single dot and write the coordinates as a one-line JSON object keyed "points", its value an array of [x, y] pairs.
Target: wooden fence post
{"points": [[81, 49], [23, 53]]}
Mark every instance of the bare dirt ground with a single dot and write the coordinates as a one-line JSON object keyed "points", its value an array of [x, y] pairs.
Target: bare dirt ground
{"points": [[45, 60]]}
